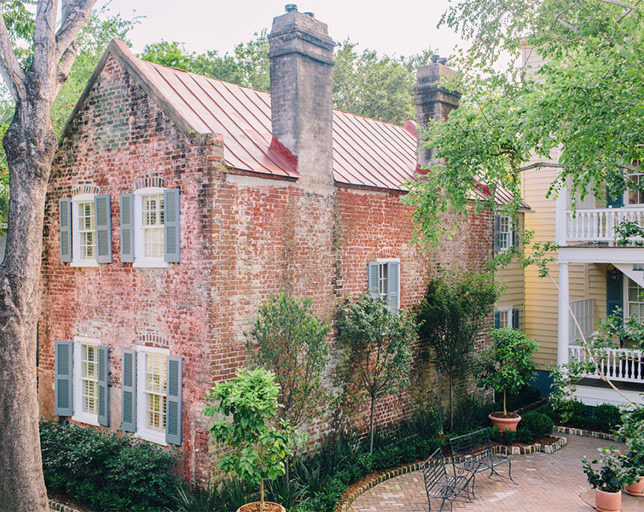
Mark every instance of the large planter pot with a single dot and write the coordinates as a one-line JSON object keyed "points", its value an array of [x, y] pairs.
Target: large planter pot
{"points": [[608, 501], [637, 489], [505, 422], [254, 507]]}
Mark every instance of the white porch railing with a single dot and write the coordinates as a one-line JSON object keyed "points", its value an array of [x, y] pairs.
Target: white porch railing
{"points": [[598, 224], [621, 364], [584, 311]]}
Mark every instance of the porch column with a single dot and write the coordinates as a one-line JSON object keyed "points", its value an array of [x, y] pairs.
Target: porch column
{"points": [[564, 315], [561, 223]]}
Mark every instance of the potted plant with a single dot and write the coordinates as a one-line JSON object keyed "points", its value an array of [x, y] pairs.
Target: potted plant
{"points": [[506, 367], [608, 480], [632, 431], [247, 407]]}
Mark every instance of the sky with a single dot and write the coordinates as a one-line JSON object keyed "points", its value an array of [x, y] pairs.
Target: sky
{"points": [[399, 27]]}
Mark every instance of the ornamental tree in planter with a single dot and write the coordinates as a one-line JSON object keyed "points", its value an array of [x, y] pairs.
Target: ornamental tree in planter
{"points": [[632, 431], [506, 367], [608, 480], [248, 407]]}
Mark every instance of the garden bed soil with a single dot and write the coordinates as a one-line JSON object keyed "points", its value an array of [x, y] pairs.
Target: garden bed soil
{"points": [[268, 507], [506, 415], [64, 500]]}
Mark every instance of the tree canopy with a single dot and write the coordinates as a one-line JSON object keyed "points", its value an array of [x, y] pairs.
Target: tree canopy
{"points": [[582, 111]]}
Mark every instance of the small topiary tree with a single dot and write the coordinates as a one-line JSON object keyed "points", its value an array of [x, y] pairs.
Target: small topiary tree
{"points": [[376, 346], [289, 340], [248, 406], [450, 317], [507, 366]]}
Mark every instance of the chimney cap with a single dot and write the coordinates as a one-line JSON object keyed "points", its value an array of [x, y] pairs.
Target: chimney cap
{"points": [[290, 7], [310, 14]]}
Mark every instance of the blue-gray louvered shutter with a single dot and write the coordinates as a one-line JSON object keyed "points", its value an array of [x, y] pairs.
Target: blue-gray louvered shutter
{"points": [[175, 383], [497, 233], [65, 230], [172, 239], [515, 318], [373, 277], [393, 284], [127, 228], [63, 371], [103, 390], [103, 210], [516, 239], [497, 319], [128, 402]]}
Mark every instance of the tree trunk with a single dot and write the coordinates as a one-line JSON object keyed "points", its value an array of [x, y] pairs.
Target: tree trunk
{"points": [[30, 144], [373, 406], [261, 495], [505, 412], [451, 403]]}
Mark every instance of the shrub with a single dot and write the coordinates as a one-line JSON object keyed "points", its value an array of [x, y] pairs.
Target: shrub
{"points": [[605, 417], [108, 471], [539, 424], [525, 435]]}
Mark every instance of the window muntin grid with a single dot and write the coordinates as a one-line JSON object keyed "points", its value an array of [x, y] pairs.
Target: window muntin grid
{"points": [[152, 222], [156, 385], [505, 233], [635, 300], [89, 379], [635, 195], [505, 318], [87, 230], [383, 280]]}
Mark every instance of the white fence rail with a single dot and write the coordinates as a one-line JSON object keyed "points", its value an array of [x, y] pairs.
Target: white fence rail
{"points": [[621, 364], [584, 311], [598, 224]]}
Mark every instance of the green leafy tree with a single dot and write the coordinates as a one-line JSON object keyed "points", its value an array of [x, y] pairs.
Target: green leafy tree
{"points": [[247, 405], [507, 366], [376, 344], [585, 103], [450, 318], [289, 340]]}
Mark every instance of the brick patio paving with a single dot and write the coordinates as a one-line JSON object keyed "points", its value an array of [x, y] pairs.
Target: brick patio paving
{"points": [[546, 483]]}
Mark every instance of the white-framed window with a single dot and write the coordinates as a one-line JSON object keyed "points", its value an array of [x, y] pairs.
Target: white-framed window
{"points": [[152, 388], [635, 196], [149, 222], [634, 300], [505, 233], [503, 317], [384, 281], [86, 376], [84, 231]]}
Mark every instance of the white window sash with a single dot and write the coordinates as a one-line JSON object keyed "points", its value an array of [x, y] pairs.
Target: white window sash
{"points": [[77, 261], [507, 312], [142, 430], [80, 415], [140, 260]]}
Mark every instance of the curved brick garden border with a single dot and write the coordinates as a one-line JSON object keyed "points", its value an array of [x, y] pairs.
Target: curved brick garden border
{"points": [[352, 494], [585, 433], [59, 507]]}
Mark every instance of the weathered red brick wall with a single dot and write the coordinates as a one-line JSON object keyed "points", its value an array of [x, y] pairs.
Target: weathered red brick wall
{"points": [[243, 237], [118, 135]]}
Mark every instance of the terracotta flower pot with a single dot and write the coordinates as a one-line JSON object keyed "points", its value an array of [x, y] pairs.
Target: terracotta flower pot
{"points": [[269, 507], [502, 422], [637, 489], [608, 501]]}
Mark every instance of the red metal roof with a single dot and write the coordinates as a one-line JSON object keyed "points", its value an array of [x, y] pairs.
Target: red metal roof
{"points": [[366, 152]]}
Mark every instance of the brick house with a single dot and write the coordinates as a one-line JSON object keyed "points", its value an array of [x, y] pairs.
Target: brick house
{"points": [[178, 203]]}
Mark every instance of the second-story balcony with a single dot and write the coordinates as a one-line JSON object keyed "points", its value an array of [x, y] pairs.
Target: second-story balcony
{"points": [[597, 225]]}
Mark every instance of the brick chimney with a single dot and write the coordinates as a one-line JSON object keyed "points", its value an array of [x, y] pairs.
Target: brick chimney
{"points": [[432, 100], [301, 67]]}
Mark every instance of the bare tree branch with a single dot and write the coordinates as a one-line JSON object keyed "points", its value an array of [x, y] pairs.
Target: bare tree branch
{"points": [[75, 16], [65, 64], [10, 70], [539, 165], [621, 4], [44, 40], [567, 25]]}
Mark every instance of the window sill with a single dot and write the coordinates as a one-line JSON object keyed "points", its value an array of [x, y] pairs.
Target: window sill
{"points": [[153, 437], [150, 264], [87, 419], [88, 264]]}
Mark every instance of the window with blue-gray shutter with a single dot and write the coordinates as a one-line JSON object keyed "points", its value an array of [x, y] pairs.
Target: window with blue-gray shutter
{"points": [[393, 284], [102, 208], [172, 235], [63, 371], [174, 392], [515, 318], [65, 206], [373, 276], [497, 233], [497, 319], [127, 228], [103, 389], [128, 402]]}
